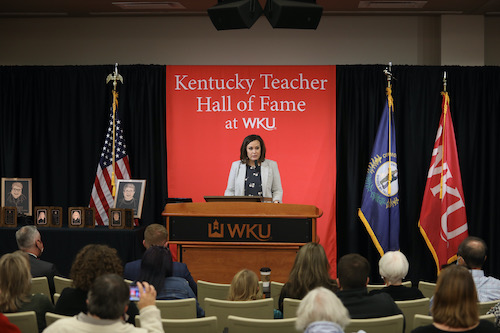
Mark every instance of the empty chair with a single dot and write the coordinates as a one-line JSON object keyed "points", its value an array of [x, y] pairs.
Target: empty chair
{"points": [[61, 282], [52, 317], [177, 309], [290, 306], [411, 308], [262, 308], [26, 321], [484, 307], [427, 288], [275, 292], [251, 325], [389, 324], [40, 285], [193, 325], [212, 290]]}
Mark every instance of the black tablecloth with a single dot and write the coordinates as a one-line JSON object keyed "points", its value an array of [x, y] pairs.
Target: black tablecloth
{"points": [[62, 244]]}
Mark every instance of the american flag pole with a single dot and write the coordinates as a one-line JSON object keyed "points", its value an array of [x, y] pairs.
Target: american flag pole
{"points": [[114, 77]]}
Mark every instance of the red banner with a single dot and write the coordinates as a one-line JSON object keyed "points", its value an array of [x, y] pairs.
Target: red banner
{"points": [[210, 109]]}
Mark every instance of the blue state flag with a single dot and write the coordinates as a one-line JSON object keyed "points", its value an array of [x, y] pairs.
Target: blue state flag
{"points": [[379, 210]]}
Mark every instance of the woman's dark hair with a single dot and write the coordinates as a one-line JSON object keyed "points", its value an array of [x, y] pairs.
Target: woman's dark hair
{"points": [[156, 265], [243, 149]]}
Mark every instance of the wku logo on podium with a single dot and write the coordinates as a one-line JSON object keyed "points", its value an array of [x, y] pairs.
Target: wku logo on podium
{"points": [[258, 231]]}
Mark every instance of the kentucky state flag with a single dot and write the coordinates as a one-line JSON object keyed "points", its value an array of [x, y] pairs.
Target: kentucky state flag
{"points": [[379, 210]]}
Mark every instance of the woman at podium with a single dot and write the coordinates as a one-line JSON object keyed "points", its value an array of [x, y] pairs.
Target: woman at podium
{"points": [[253, 174]]}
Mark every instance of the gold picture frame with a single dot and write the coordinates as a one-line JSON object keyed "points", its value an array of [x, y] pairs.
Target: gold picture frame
{"points": [[130, 195], [17, 192]]}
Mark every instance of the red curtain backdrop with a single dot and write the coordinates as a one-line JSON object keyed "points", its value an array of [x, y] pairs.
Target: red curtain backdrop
{"points": [[210, 109]]}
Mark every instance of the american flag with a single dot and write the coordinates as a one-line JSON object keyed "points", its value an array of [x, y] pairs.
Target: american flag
{"points": [[102, 198]]}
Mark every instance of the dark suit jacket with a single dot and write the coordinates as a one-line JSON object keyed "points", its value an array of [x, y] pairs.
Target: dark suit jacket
{"points": [[361, 305], [43, 268], [132, 269]]}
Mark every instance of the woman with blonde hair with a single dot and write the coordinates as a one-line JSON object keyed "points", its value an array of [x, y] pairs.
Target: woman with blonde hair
{"points": [[244, 286], [455, 304], [311, 269], [15, 284]]}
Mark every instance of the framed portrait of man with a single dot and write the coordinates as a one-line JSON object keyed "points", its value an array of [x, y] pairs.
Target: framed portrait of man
{"points": [[130, 195], [75, 217], [42, 217], [16, 192]]}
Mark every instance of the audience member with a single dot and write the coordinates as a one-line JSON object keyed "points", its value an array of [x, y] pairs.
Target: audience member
{"points": [[393, 267], [321, 311], [472, 255], [6, 326], [156, 234], [108, 299], [311, 269], [455, 305], [29, 240], [244, 286], [353, 276], [92, 261], [156, 269], [15, 284]]}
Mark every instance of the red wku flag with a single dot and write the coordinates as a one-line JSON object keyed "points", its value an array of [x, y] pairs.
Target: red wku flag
{"points": [[443, 222]]}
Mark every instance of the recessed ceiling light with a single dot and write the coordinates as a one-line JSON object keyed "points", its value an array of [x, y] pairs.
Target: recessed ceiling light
{"points": [[391, 4], [165, 5]]}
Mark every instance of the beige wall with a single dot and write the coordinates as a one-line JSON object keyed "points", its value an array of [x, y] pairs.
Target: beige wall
{"points": [[413, 40]]}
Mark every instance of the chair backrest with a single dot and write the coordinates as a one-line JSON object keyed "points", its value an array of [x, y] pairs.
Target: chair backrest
{"points": [[192, 325], [411, 308], [26, 321], [61, 282], [290, 307], [40, 285], [212, 290], [56, 297], [427, 288], [371, 287], [423, 320], [390, 324], [177, 308], [52, 317], [486, 306], [251, 325], [275, 292], [261, 308]]}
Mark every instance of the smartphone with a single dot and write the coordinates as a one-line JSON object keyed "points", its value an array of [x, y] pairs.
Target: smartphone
{"points": [[134, 293]]}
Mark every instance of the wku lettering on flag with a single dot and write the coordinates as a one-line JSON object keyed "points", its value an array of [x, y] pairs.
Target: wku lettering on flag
{"points": [[443, 222], [379, 210], [102, 192]]}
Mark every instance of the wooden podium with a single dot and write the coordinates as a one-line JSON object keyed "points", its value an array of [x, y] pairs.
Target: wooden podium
{"points": [[217, 239]]}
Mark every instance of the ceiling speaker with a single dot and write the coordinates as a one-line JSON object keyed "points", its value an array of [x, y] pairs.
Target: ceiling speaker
{"points": [[297, 14], [235, 14]]}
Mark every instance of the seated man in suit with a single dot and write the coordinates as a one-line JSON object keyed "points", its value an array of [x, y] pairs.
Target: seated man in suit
{"points": [[156, 234], [352, 271], [29, 240]]}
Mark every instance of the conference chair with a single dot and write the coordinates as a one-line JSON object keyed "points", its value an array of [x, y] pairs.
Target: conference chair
{"points": [[261, 309], [427, 288], [390, 324], [423, 320], [53, 317], [412, 307], [486, 306], [56, 298], [251, 325], [40, 285], [60, 283], [193, 325], [371, 287], [290, 307], [211, 290], [275, 292], [177, 309], [26, 321]]}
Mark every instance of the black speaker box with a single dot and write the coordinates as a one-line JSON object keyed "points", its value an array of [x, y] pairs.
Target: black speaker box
{"points": [[235, 14], [299, 14]]}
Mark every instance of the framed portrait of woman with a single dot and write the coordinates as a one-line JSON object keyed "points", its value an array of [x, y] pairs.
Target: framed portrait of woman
{"points": [[130, 195], [16, 192]]}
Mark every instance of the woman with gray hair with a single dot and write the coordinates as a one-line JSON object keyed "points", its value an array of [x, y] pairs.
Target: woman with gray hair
{"points": [[393, 267], [321, 311]]}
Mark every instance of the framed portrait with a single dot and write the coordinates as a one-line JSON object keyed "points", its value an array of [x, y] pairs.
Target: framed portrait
{"points": [[130, 195], [42, 217], [75, 217], [16, 192], [120, 218], [8, 217], [55, 216]]}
